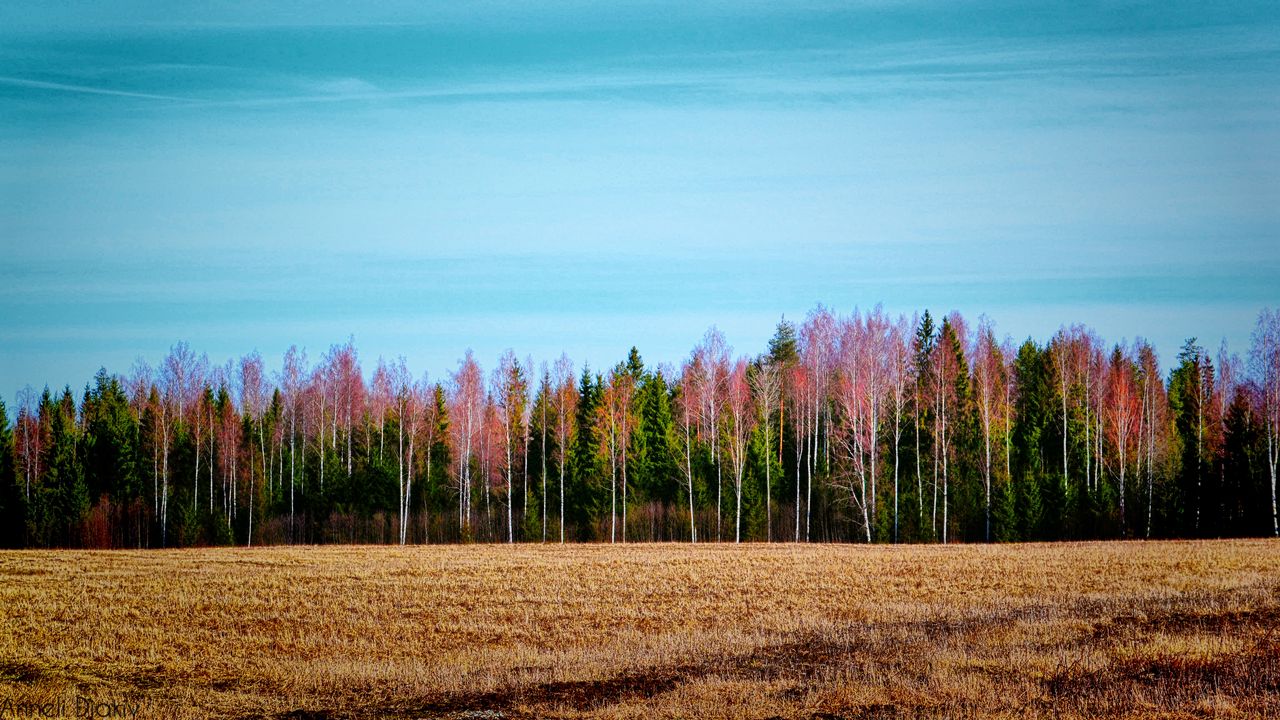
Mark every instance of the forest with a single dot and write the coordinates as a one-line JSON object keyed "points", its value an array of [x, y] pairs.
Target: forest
{"points": [[860, 428]]}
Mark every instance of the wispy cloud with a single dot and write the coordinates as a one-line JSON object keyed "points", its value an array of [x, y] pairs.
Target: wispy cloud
{"points": [[85, 89]]}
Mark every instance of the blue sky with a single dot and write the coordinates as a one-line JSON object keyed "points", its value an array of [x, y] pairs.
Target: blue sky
{"points": [[581, 177]]}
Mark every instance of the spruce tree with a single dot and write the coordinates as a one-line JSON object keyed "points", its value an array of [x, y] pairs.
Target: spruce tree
{"points": [[586, 491], [12, 508]]}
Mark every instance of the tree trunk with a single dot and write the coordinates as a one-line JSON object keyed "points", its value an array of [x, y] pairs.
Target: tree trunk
{"points": [[1271, 456], [688, 468], [946, 488], [293, 418], [799, 453], [613, 485], [400, 475], [562, 492], [1064, 426], [987, 479], [737, 523], [625, 442], [511, 532], [768, 491], [544, 470], [808, 505]]}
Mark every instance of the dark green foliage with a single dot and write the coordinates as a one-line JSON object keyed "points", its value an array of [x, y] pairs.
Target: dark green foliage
{"points": [[1004, 513], [655, 469], [111, 441], [1033, 431], [587, 490], [63, 497], [12, 506], [1245, 490], [1190, 403], [784, 349]]}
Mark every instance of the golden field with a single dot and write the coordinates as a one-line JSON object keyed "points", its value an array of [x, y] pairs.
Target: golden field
{"points": [[1117, 629]]}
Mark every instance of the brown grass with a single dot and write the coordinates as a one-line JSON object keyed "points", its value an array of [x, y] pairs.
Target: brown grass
{"points": [[1159, 629]]}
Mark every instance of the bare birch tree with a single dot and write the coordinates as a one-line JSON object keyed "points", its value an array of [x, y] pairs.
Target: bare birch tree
{"points": [[1265, 358], [566, 400], [766, 383], [742, 419]]}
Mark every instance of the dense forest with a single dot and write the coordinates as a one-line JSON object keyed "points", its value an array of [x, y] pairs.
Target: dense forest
{"points": [[856, 428]]}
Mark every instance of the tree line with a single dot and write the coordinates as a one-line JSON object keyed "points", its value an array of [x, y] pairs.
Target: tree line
{"points": [[850, 428]]}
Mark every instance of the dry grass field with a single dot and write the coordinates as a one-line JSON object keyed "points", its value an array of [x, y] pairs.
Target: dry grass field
{"points": [[1155, 629]]}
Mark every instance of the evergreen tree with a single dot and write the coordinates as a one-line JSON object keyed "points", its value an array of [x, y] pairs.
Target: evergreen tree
{"points": [[1190, 393], [1247, 500], [1004, 513], [12, 507], [1034, 412], [542, 455], [64, 495], [435, 493], [655, 468], [917, 439], [784, 348], [635, 365], [111, 441], [587, 491]]}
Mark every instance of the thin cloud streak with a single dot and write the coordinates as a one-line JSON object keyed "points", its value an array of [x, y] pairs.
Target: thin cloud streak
{"points": [[42, 85]]}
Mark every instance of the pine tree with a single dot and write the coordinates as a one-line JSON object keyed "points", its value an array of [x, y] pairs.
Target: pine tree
{"points": [[12, 507], [655, 471], [65, 495], [111, 441], [784, 347], [586, 492], [1033, 408], [1190, 390]]}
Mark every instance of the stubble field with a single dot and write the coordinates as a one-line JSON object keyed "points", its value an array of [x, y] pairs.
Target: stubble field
{"points": [[1154, 629]]}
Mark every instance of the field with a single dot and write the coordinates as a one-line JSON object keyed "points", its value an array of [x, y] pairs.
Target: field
{"points": [[1154, 629]]}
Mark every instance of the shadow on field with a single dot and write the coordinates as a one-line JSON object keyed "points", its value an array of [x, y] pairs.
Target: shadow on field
{"points": [[799, 660], [1110, 676]]}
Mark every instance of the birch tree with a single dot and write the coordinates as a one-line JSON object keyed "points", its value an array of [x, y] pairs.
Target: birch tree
{"points": [[382, 396], [1064, 348], [28, 443], [817, 353], [766, 383], [566, 401], [348, 394], [714, 352], [292, 372], [176, 378], [857, 393], [899, 377], [398, 383], [509, 390], [742, 419], [689, 407], [1154, 404], [1123, 418], [613, 421], [467, 411], [625, 383], [799, 401], [607, 423], [253, 403], [544, 401], [1265, 358], [195, 419], [947, 369], [987, 372]]}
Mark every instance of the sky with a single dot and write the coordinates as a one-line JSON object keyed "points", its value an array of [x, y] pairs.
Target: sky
{"points": [[584, 177]]}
